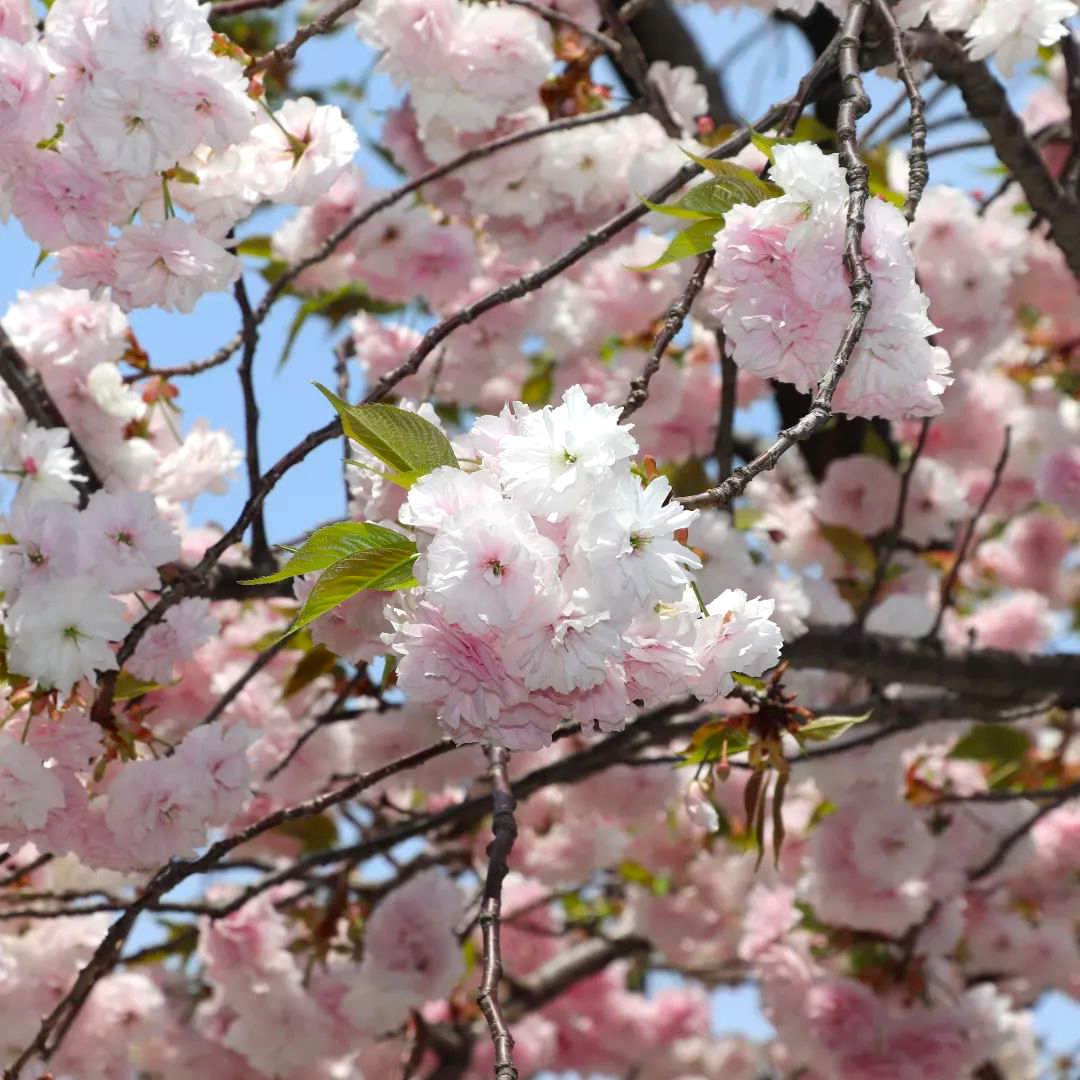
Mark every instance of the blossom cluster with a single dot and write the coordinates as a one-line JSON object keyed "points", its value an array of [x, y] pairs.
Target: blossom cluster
{"points": [[910, 906], [123, 112], [553, 586], [781, 293]]}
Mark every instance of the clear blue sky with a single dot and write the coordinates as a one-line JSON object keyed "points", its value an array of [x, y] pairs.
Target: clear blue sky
{"points": [[759, 69]]}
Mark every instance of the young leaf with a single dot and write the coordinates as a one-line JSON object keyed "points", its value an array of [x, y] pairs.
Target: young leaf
{"points": [[384, 569], [674, 210], [695, 240], [403, 440], [808, 129], [716, 197], [127, 686], [315, 662], [829, 727], [854, 549], [778, 817], [331, 543], [992, 742], [731, 183], [336, 305]]}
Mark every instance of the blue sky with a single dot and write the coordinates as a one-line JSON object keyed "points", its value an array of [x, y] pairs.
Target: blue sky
{"points": [[759, 69]]}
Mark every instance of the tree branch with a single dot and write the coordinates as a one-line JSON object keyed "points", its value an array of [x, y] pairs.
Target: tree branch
{"points": [[288, 49], [29, 391], [988, 103], [384, 202], [987, 674], [673, 321], [949, 583], [504, 833], [918, 170], [260, 549]]}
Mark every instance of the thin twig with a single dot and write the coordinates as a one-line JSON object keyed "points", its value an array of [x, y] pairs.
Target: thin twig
{"points": [[808, 86], [918, 170], [1010, 840], [959, 147], [889, 111], [288, 49], [225, 8], [1060, 794], [342, 352], [608, 44], [892, 538], [673, 321], [724, 447], [261, 558], [253, 669], [632, 61], [503, 835], [855, 103], [969, 532]]}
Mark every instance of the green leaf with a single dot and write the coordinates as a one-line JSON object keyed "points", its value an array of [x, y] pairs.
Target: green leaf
{"points": [[315, 662], [731, 185], [657, 884], [181, 939], [258, 246], [882, 190], [874, 445], [7, 538], [706, 205], [824, 728], [853, 548], [335, 306], [711, 741], [331, 543], [127, 686], [315, 833], [385, 569], [695, 240], [536, 390], [992, 742], [403, 440], [748, 681], [808, 129], [674, 210]]}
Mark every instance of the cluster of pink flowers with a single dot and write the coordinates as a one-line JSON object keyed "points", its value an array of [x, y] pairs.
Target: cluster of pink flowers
{"points": [[124, 112], [559, 580], [553, 586], [781, 293]]}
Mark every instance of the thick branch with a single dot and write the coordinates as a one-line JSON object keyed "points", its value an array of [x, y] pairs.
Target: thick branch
{"points": [[980, 673], [988, 103]]}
